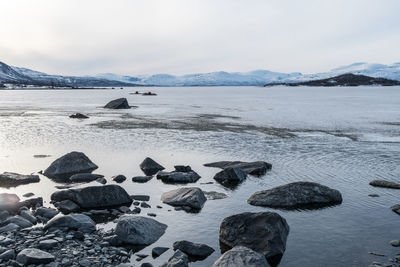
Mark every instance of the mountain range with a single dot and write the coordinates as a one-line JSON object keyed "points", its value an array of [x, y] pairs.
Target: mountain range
{"points": [[11, 76]]}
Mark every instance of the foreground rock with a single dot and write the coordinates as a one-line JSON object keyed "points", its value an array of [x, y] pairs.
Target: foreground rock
{"points": [[178, 177], [150, 167], [75, 221], [120, 103], [68, 165], [11, 179], [192, 198], [95, 197], [138, 230], [297, 195], [263, 232], [85, 177], [230, 176], [241, 256], [78, 116], [385, 184], [256, 168], [34, 256], [194, 250]]}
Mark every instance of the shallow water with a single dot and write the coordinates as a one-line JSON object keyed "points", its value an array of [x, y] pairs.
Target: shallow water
{"points": [[340, 137]]}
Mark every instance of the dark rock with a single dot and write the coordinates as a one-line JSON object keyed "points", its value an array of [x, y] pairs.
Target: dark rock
{"points": [[9, 202], [257, 168], [68, 165], [8, 255], [95, 196], [157, 251], [152, 214], [34, 256], [141, 179], [264, 232], [178, 177], [119, 178], [182, 168], [28, 195], [140, 197], [297, 195], [138, 230], [78, 116], [27, 215], [230, 176], [102, 180], [120, 103], [396, 208], [67, 206], [145, 205], [195, 250], [48, 244], [11, 227], [11, 179], [191, 197], [384, 183], [74, 221], [395, 243], [212, 195], [32, 202], [150, 167], [373, 195], [179, 259], [47, 213], [85, 177], [146, 264], [18, 220], [241, 256]]}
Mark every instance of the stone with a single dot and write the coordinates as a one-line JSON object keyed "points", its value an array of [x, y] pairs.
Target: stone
{"points": [[182, 168], [18, 220], [78, 116], [85, 177], [179, 259], [263, 232], [28, 194], [8, 255], [27, 215], [11, 179], [68, 165], [192, 197], [9, 202], [230, 176], [138, 230], [67, 206], [32, 202], [241, 256], [48, 244], [140, 197], [120, 103], [119, 178], [102, 180], [385, 184], [157, 251], [47, 213], [34, 256], [178, 177], [95, 196], [150, 167], [5, 241], [297, 195], [395, 243], [11, 227], [195, 250], [73, 221], [213, 195], [256, 168], [145, 205], [141, 179], [396, 208]]}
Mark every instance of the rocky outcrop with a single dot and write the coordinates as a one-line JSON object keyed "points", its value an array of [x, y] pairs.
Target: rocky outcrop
{"points": [[192, 198], [120, 103], [11, 179], [150, 167], [256, 168], [241, 256], [74, 221], [178, 177], [263, 232], [85, 177], [193, 250], [298, 195], [385, 184], [36, 256]]}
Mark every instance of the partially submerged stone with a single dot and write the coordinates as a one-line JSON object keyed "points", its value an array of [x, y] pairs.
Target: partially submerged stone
{"points": [[74, 221], [385, 184], [196, 250], [257, 168], [119, 178], [150, 167], [85, 177], [213, 195], [78, 116], [241, 256], [191, 197], [230, 176], [141, 179], [120, 103], [11, 179], [178, 177]]}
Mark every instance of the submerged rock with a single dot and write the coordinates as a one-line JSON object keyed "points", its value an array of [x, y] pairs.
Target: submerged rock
{"points": [[385, 184], [141, 179], [195, 250], [179, 259], [85, 177], [191, 197], [296, 195], [119, 178], [256, 168], [150, 167], [230, 176], [34, 256], [120, 103], [68, 165], [74, 221], [263, 232], [213, 195], [11, 179], [78, 116], [241, 256], [178, 177]]}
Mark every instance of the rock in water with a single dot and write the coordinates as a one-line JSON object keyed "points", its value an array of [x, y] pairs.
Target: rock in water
{"points": [[34, 256], [178, 177], [11, 179], [85, 177], [119, 178], [256, 168], [78, 116], [120, 103], [74, 221], [138, 230], [67, 206], [241, 256], [150, 167], [263, 232], [141, 179], [192, 197], [230, 176], [182, 168], [195, 250], [179, 259], [384, 183], [68, 165], [297, 195], [95, 197], [157, 251]]}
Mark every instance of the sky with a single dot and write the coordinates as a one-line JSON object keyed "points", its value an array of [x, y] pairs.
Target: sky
{"points": [[132, 37]]}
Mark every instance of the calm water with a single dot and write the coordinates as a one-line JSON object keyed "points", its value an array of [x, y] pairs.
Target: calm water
{"points": [[340, 137]]}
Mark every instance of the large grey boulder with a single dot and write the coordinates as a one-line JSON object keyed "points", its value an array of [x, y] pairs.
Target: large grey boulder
{"points": [[230, 176], [11, 179], [263, 232], [95, 197], [256, 168], [195, 250], [178, 177], [9, 202], [69, 164], [385, 184], [150, 167], [30, 256], [296, 195], [73, 221], [241, 256], [18, 220], [191, 197], [120, 103], [85, 177], [138, 230]]}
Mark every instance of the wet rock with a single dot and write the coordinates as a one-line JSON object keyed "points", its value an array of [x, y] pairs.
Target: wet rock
{"points": [[68, 165], [78, 116], [67, 206], [32, 202], [213, 195], [11, 227], [9, 202], [138, 230], [141, 179], [257, 168], [120, 103], [11, 179], [18, 220], [179, 259], [95, 196], [152, 214], [140, 197], [8, 255], [263, 232], [182, 168], [191, 197], [178, 177], [34, 256], [28, 194], [230, 176], [296, 195], [85, 177], [150, 167], [373, 195], [119, 178], [26, 214], [195, 250], [395, 243], [157, 251], [241, 256], [145, 205], [102, 180], [385, 184], [46, 213], [74, 221]]}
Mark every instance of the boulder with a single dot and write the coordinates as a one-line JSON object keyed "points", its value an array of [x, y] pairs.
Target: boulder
{"points": [[150, 167], [36, 256], [101, 180], [46, 213], [8, 255], [95, 197], [385, 184], [178, 177], [68, 165], [78, 116], [138, 230], [120, 103], [11, 179], [67, 206], [141, 179], [9, 202], [27, 214], [119, 178], [194, 250], [73, 221], [179, 259], [263, 232], [85, 177], [192, 197], [257, 168], [18, 220], [296, 195], [182, 168], [241, 256], [32, 202], [230, 176]]}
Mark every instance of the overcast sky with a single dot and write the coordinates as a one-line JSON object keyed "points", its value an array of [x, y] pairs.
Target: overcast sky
{"points": [[131, 37]]}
